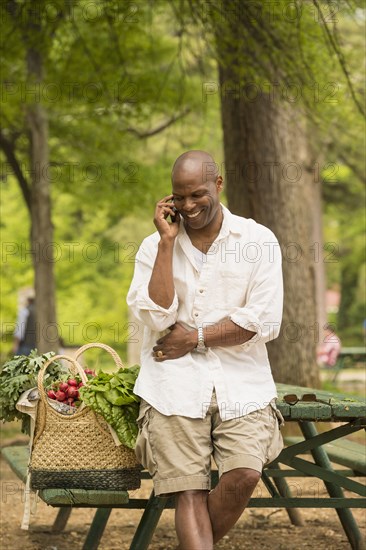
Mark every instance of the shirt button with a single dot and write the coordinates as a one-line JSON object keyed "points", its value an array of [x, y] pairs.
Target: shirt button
{"points": [[201, 290], [196, 314]]}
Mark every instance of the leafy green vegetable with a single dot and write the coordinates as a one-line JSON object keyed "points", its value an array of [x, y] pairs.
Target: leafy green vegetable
{"points": [[18, 375], [111, 396]]}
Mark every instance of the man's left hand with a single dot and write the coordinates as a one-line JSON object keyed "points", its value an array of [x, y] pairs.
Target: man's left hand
{"points": [[177, 343]]}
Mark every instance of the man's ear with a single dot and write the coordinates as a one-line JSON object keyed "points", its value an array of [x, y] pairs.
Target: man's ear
{"points": [[219, 183]]}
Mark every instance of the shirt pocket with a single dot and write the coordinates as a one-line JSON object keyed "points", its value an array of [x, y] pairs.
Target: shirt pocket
{"points": [[276, 443], [231, 289], [142, 417]]}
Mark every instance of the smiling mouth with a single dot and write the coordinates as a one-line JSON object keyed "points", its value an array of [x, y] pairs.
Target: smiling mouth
{"points": [[190, 216]]}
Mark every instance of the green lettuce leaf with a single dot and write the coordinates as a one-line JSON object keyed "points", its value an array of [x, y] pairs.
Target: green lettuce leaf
{"points": [[111, 395]]}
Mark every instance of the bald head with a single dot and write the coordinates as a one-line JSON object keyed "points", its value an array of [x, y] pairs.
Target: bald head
{"points": [[198, 164], [196, 188]]}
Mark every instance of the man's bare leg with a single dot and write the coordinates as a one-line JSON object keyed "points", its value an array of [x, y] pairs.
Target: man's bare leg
{"points": [[223, 507], [192, 521], [227, 501]]}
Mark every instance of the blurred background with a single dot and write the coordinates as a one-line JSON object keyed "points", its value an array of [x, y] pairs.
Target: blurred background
{"points": [[98, 100]]}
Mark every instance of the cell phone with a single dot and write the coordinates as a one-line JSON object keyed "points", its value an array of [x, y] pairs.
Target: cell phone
{"points": [[174, 218]]}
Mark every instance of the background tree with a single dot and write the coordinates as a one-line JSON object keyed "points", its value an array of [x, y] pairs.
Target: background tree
{"points": [[103, 97], [71, 100], [341, 137], [269, 58]]}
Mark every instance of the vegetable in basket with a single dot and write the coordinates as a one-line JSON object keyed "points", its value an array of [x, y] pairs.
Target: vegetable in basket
{"points": [[66, 390], [18, 375], [111, 395]]}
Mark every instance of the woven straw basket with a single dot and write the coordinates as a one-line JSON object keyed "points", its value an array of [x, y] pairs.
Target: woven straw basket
{"points": [[78, 451]]}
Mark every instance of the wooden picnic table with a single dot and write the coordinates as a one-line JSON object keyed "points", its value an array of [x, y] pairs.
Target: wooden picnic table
{"points": [[348, 357], [326, 407], [353, 352]]}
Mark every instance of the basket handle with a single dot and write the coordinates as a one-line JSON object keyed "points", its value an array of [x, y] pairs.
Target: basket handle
{"points": [[41, 419], [75, 364], [110, 350]]}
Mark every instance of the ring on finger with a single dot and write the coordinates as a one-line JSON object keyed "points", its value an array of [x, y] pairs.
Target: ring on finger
{"points": [[159, 353]]}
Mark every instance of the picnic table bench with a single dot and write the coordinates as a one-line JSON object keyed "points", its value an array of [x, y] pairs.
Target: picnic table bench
{"points": [[345, 452], [347, 358], [328, 407]]}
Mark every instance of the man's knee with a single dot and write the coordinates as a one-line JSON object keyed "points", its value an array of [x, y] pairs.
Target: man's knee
{"points": [[246, 476], [238, 484], [191, 496]]}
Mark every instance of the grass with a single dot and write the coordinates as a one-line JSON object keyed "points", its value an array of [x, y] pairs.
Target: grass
{"points": [[328, 385], [354, 387], [10, 431]]}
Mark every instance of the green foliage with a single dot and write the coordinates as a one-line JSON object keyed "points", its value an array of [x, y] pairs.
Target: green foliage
{"points": [[293, 51], [344, 227], [16, 271], [113, 73], [101, 98], [310, 55], [18, 375]]}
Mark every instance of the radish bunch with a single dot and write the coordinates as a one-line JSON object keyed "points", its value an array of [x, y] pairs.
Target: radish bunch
{"points": [[68, 391]]}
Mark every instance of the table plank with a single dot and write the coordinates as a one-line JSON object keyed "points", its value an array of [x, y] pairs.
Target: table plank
{"points": [[352, 351], [84, 498], [338, 406], [17, 457]]}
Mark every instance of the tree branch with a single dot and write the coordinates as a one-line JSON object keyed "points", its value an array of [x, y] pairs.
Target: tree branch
{"points": [[158, 129], [340, 57], [96, 66], [9, 152]]}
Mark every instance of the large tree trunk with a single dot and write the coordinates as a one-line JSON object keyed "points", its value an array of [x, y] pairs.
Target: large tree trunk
{"points": [[269, 178], [41, 224]]}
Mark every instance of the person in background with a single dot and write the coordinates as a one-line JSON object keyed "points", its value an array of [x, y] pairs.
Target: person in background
{"points": [[25, 331], [329, 349]]}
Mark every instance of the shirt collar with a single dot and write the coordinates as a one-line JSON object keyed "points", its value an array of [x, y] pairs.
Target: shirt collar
{"points": [[230, 224]]}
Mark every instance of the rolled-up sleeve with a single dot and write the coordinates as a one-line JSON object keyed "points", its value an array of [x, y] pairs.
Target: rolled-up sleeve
{"points": [[262, 312], [142, 306]]}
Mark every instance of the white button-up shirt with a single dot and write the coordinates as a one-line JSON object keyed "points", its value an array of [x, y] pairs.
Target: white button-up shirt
{"points": [[240, 279]]}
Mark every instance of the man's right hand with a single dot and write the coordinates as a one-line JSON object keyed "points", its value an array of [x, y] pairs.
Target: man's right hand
{"points": [[164, 208], [161, 285]]}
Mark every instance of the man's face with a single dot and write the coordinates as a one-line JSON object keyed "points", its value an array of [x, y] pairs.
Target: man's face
{"points": [[197, 201]]}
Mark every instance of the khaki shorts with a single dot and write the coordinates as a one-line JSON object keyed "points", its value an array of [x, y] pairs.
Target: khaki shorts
{"points": [[177, 450]]}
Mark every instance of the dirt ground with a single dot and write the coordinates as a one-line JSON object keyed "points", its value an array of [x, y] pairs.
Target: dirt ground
{"points": [[258, 529]]}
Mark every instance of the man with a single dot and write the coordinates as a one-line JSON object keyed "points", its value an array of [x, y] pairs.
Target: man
{"points": [[208, 289], [329, 349], [24, 338]]}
